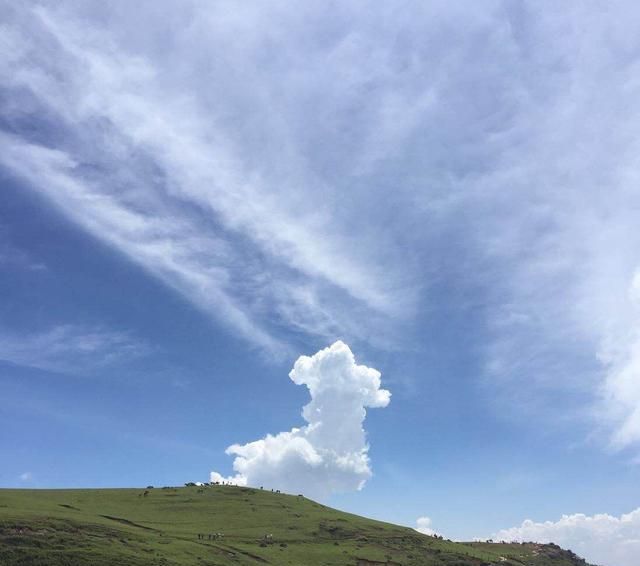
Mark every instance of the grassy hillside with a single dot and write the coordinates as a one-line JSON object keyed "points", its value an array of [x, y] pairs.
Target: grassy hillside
{"points": [[179, 526]]}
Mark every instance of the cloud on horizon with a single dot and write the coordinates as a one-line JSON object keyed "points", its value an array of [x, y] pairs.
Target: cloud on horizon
{"points": [[328, 454], [600, 539], [423, 525]]}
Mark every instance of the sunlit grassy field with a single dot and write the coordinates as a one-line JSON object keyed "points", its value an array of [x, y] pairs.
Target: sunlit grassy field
{"points": [[220, 525]]}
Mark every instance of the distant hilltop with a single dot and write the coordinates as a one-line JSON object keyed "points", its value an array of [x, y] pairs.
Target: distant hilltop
{"points": [[228, 525]]}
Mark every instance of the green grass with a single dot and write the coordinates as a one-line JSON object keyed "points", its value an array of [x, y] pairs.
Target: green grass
{"points": [[125, 527]]}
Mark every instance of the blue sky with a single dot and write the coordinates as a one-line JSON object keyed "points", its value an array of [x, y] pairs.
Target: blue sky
{"points": [[196, 194]]}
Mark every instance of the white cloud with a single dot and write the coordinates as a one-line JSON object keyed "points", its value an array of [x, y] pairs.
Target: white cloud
{"points": [[14, 257], [69, 348], [304, 171], [166, 184], [423, 525], [600, 539], [167, 245], [554, 225], [620, 353], [26, 477], [329, 453]]}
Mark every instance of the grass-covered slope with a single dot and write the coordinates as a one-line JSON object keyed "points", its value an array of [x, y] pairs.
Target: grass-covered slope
{"points": [[179, 526]]}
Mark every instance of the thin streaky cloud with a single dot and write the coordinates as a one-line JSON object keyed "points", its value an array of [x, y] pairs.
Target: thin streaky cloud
{"points": [[319, 171], [70, 348]]}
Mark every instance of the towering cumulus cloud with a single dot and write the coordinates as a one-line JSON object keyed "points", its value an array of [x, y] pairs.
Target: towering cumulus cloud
{"points": [[329, 453]]}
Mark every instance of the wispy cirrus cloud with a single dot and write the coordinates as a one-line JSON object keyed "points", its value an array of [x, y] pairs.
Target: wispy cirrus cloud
{"points": [[315, 171], [13, 257], [188, 205], [167, 245], [69, 348]]}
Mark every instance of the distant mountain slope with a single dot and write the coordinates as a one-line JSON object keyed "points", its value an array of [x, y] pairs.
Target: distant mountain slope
{"points": [[224, 525]]}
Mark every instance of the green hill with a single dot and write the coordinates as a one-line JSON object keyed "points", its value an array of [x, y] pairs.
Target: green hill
{"points": [[222, 525]]}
